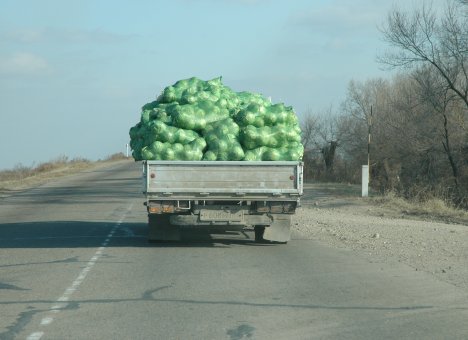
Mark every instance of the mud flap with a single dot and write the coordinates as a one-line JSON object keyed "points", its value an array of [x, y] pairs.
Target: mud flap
{"points": [[279, 230], [160, 229]]}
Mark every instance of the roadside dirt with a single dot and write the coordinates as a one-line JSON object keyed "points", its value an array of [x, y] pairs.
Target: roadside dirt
{"points": [[433, 243]]}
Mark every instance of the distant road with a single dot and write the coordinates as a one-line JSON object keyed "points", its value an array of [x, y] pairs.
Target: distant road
{"points": [[75, 264]]}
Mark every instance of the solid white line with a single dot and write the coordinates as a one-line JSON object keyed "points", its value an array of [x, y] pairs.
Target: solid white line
{"points": [[56, 308]]}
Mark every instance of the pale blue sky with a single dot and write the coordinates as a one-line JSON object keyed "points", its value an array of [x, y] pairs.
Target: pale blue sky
{"points": [[74, 74]]}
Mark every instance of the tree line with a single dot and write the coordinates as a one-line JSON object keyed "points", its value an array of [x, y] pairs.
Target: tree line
{"points": [[412, 128]]}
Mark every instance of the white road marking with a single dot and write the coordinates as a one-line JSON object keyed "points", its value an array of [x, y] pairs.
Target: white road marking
{"points": [[46, 321], [35, 336], [56, 308]]}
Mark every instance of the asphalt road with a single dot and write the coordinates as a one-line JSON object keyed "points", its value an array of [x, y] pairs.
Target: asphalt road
{"points": [[75, 264]]}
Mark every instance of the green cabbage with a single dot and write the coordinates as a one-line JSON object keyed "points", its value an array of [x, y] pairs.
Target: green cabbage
{"points": [[195, 119]]}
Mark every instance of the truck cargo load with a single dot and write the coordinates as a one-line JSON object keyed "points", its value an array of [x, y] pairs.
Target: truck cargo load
{"points": [[195, 120]]}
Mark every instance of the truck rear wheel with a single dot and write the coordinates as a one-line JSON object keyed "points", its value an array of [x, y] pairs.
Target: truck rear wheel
{"points": [[259, 231]]}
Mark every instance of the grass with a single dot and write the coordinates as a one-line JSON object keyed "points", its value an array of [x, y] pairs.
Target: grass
{"points": [[115, 157], [21, 172], [431, 209], [22, 177], [428, 209]]}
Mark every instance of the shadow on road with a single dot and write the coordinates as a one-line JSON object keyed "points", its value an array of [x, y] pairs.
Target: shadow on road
{"points": [[80, 234]]}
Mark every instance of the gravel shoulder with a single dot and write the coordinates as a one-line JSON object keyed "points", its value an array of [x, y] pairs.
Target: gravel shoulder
{"points": [[384, 233]]}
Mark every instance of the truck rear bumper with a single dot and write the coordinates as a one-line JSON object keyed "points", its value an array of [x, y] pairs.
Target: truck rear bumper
{"points": [[244, 220]]}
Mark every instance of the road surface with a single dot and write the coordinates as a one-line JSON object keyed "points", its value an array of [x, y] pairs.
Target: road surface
{"points": [[75, 264]]}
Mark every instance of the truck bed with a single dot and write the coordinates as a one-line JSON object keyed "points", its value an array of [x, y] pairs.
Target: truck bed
{"points": [[217, 180]]}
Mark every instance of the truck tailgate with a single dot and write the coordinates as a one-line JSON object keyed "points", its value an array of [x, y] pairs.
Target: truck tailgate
{"points": [[222, 180]]}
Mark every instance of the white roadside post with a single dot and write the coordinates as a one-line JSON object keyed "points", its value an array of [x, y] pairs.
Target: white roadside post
{"points": [[365, 168], [365, 180], [127, 148]]}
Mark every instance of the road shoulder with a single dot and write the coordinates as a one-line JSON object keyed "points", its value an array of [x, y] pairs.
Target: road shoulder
{"points": [[386, 234]]}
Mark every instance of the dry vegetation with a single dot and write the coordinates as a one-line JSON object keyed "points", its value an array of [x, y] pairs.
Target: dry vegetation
{"points": [[389, 204], [434, 209], [22, 177]]}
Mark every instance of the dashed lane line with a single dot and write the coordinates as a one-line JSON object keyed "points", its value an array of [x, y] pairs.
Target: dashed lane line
{"points": [[61, 302]]}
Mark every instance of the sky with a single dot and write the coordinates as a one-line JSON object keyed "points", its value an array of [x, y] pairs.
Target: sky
{"points": [[74, 74]]}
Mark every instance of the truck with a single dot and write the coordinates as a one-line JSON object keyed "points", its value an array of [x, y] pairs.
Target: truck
{"points": [[226, 195]]}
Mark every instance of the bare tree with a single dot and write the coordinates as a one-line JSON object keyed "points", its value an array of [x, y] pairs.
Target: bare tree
{"points": [[369, 138], [435, 49], [421, 38], [321, 136], [329, 138], [434, 91], [464, 6], [309, 129]]}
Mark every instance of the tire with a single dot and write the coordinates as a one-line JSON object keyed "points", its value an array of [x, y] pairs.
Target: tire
{"points": [[259, 231]]}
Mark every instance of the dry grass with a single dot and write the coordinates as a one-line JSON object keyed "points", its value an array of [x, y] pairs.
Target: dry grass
{"points": [[115, 157], [21, 172], [22, 177], [430, 209]]}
